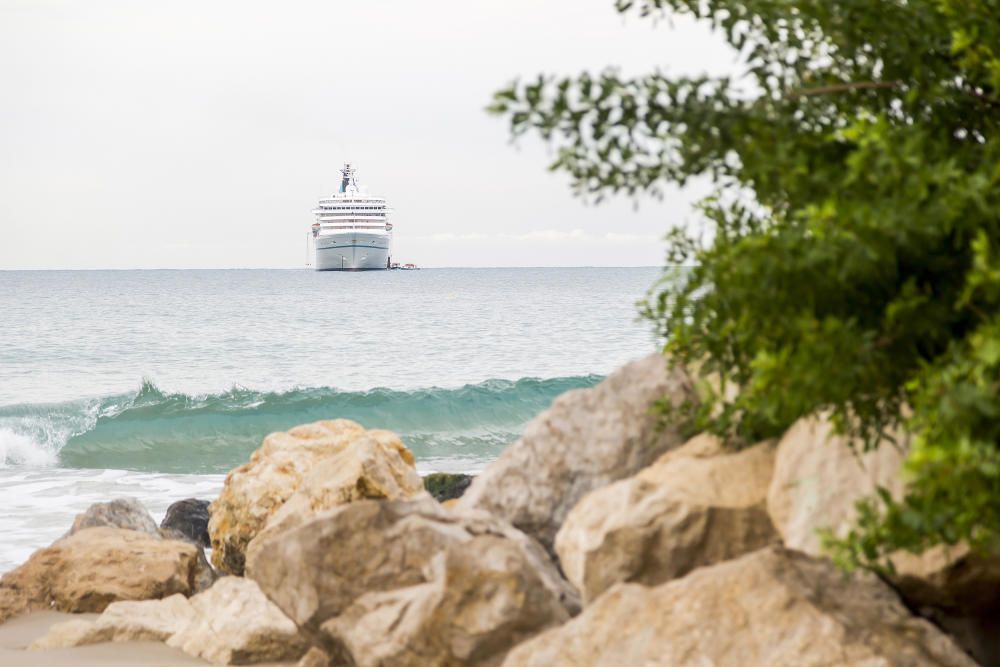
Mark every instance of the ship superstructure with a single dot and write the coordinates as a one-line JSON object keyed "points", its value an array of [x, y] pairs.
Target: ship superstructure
{"points": [[352, 231]]}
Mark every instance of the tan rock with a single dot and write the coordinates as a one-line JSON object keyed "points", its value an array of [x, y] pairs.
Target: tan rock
{"points": [[235, 624], [314, 657], [687, 510], [314, 467], [818, 478], [586, 440], [771, 608], [959, 590], [317, 570], [482, 597], [147, 620], [817, 481], [232, 623], [77, 632], [951, 577], [89, 570], [374, 466]]}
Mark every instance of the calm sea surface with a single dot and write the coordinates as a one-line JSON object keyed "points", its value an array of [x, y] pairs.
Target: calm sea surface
{"points": [[155, 383]]}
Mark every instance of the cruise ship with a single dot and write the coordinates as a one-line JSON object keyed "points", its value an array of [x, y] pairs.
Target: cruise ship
{"points": [[352, 231]]}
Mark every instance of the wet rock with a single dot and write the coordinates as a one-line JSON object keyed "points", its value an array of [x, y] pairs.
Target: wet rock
{"points": [[481, 598], [187, 520], [87, 571], [235, 624], [126, 513], [771, 607], [446, 486], [309, 468], [586, 440], [315, 571], [698, 505]]}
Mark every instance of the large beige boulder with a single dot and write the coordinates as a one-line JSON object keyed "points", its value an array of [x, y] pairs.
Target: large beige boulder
{"points": [[235, 624], [87, 571], [698, 505], [771, 608], [310, 468], [586, 440], [819, 476], [147, 620], [315, 571], [481, 598]]}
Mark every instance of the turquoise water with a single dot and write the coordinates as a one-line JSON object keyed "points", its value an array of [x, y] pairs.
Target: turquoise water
{"points": [[155, 383], [155, 431]]}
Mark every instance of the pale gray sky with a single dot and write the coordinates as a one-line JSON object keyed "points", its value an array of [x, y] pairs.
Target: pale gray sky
{"points": [[140, 134]]}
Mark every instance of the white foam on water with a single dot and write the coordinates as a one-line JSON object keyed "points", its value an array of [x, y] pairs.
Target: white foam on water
{"points": [[17, 449], [39, 504]]}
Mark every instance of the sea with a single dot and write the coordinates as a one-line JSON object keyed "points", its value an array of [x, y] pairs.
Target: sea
{"points": [[154, 384]]}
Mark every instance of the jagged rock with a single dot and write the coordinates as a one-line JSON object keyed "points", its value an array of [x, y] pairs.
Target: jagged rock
{"points": [[949, 577], [959, 590], [231, 623], [771, 608], [148, 620], [68, 634], [87, 571], [317, 570], [372, 467], [818, 478], [447, 486], [314, 657], [698, 505], [126, 513], [310, 468], [235, 624], [187, 520], [586, 440], [482, 597]]}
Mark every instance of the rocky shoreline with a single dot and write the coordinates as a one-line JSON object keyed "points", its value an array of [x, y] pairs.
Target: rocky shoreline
{"points": [[601, 537]]}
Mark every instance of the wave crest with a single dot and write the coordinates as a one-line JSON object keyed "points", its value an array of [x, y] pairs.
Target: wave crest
{"points": [[152, 430]]}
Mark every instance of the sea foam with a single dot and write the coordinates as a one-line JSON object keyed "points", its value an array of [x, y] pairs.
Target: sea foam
{"points": [[17, 449]]}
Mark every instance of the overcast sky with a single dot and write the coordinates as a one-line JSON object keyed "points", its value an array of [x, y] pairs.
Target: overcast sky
{"points": [[138, 134]]}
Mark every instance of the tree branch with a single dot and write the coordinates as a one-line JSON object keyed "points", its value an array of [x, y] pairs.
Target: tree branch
{"points": [[843, 88]]}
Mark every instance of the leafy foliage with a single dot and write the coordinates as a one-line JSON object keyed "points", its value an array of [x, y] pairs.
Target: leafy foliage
{"points": [[852, 260]]}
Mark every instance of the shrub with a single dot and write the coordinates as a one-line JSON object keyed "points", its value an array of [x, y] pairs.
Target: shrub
{"points": [[849, 256]]}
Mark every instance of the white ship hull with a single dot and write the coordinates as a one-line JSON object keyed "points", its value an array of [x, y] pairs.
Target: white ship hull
{"points": [[352, 251]]}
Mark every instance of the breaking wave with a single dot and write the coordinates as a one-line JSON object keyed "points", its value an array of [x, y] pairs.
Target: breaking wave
{"points": [[152, 430]]}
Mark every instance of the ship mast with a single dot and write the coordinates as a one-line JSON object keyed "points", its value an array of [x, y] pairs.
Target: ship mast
{"points": [[348, 177]]}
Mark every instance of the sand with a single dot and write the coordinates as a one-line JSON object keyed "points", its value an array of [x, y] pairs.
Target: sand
{"points": [[17, 633]]}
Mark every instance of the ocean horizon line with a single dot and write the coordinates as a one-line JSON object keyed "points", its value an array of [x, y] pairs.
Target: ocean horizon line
{"points": [[309, 268]]}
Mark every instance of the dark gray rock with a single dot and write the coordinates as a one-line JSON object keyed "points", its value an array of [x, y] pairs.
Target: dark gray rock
{"points": [[187, 520], [445, 485]]}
